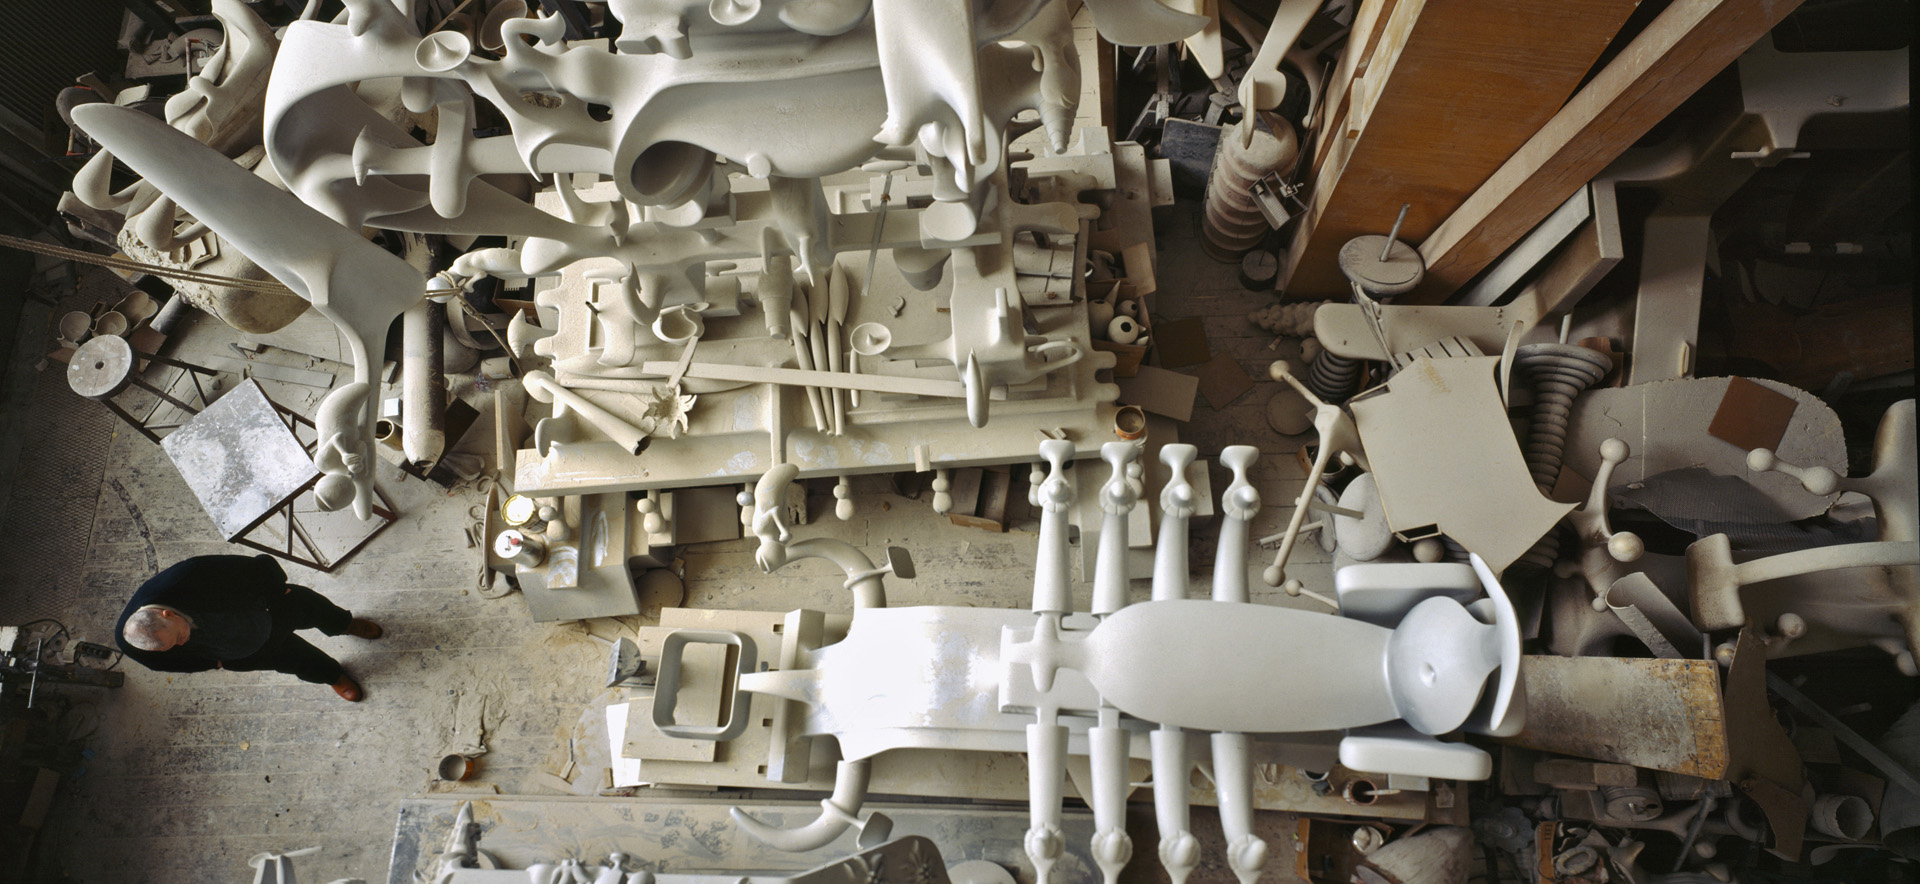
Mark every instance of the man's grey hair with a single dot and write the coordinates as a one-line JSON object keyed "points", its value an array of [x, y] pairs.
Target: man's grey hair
{"points": [[144, 629]]}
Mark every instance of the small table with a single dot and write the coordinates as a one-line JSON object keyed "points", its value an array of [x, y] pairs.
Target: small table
{"points": [[245, 462], [106, 365]]}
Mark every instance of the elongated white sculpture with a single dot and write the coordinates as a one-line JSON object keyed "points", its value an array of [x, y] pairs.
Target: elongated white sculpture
{"points": [[1137, 681], [356, 284]]}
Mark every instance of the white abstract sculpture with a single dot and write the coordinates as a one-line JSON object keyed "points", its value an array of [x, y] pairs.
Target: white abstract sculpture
{"points": [[356, 284], [1413, 660], [1872, 596]]}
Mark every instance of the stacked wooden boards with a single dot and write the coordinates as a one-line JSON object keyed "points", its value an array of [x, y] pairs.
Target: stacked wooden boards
{"points": [[1462, 110], [1431, 98]]}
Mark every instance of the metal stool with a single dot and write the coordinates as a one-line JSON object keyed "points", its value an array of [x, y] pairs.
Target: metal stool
{"points": [[244, 459], [106, 365]]}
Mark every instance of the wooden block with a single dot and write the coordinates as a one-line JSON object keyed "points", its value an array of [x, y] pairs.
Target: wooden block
{"points": [[1222, 380], [1452, 89], [1159, 391], [996, 486], [508, 430], [965, 492], [1182, 342], [992, 493], [1751, 416], [1369, 25]]}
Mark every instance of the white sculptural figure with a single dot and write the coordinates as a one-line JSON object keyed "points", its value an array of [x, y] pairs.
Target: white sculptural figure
{"points": [[1416, 658], [938, 82], [356, 284], [694, 93]]}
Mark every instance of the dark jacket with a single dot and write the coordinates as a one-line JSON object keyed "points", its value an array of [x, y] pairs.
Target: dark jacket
{"points": [[203, 585]]}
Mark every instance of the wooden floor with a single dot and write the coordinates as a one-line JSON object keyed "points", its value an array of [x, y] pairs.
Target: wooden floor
{"points": [[186, 777]]}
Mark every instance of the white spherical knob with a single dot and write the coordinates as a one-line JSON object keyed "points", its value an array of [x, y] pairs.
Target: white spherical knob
{"points": [[1626, 546], [1613, 451], [1819, 480]]}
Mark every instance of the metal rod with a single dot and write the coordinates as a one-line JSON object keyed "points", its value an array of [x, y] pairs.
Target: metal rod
{"points": [[33, 683], [1893, 769], [1395, 231]]}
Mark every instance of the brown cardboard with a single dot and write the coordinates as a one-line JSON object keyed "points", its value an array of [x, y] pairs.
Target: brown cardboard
{"points": [[1159, 391], [1222, 380], [1182, 342], [1752, 416]]}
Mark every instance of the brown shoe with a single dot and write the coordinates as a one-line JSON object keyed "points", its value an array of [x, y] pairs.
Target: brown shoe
{"points": [[364, 628], [348, 689]]}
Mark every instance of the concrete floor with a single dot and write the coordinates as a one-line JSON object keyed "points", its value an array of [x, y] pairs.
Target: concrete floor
{"points": [[188, 776]]}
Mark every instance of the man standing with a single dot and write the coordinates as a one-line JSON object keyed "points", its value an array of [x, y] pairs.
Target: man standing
{"points": [[237, 613]]}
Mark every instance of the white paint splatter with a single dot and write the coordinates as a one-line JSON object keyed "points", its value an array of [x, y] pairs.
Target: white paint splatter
{"points": [[746, 411]]}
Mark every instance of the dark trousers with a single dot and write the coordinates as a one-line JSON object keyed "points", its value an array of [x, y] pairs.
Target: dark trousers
{"points": [[301, 608]]}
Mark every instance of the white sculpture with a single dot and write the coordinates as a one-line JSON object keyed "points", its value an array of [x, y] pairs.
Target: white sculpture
{"points": [[695, 97], [1411, 660], [358, 285]]}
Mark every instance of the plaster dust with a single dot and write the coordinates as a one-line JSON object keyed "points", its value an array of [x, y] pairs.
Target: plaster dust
{"points": [[189, 775]]}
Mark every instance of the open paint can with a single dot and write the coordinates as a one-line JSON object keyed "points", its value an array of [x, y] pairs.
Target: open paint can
{"points": [[455, 767]]}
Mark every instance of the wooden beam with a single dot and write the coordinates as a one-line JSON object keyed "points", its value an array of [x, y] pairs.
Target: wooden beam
{"points": [[1451, 89], [1680, 50], [1369, 24]]}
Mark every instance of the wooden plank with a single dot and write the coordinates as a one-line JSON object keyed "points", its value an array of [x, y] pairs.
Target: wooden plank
{"points": [[1452, 89], [269, 371], [1369, 25], [1680, 50], [966, 494], [996, 487], [1580, 264], [1661, 714]]}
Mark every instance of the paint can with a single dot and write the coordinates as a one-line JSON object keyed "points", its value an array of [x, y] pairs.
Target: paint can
{"points": [[520, 548], [523, 512], [1130, 423], [456, 767]]}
